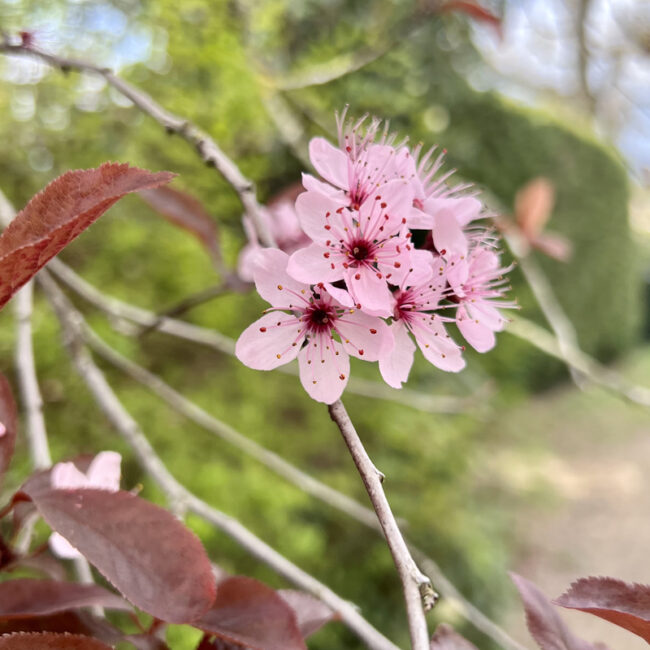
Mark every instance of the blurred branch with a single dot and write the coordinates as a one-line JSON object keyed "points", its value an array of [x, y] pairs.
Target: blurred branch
{"points": [[31, 394], [120, 310], [418, 592], [583, 53], [548, 303], [73, 326], [576, 358], [207, 148]]}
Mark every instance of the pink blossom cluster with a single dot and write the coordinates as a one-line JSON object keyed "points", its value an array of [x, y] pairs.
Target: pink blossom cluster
{"points": [[394, 256]]}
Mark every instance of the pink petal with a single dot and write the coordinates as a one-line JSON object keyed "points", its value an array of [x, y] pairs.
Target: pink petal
{"points": [[318, 216], [394, 265], [265, 345], [66, 476], [478, 335], [419, 220], [314, 185], [369, 291], [62, 548], [437, 346], [395, 365], [274, 284], [311, 266], [330, 162], [363, 336], [104, 472], [324, 369], [422, 262], [448, 236], [340, 295], [397, 198], [457, 271], [246, 261], [464, 209], [3, 429]]}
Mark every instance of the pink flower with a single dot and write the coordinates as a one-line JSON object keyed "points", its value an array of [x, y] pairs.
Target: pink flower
{"points": [[417, 307], [368, 248], [361, 165], [103, 474], [282, 221], [476, 283], [308, 330]]}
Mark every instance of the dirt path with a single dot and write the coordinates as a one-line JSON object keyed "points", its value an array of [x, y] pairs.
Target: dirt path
{"points": [[580, 482]]}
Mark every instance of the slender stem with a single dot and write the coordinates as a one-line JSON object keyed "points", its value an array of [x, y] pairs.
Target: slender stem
{"points": [[73, 326], [207, 148], [31, 394], [417, 587]]}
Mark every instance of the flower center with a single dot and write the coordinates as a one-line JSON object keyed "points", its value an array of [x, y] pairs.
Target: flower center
{"points": [[360, 250], [320, 318]]}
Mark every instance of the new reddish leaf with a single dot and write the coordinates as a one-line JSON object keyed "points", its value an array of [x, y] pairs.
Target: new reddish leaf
{"points": [[446, 638], [310, 612], [185, 211], [59, 213], [614, 600], [544, 623], [49, 641], [143, 550], [24, 597], [533, 206], [8, 424], [251, 614]]}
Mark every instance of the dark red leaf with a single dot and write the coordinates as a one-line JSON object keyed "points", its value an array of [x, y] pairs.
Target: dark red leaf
{"points": [[25, 597], [143, 550], [41, 562], [59, 213], [310, 612], [49, 641], [473, 10], [614, 600], [446, 638], [185, 211], [249, 613], [8, 424], [544, 623]]}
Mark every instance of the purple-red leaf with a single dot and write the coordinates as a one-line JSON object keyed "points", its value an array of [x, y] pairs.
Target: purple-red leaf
{"points": [[143, 550], [185, 211], [544, 623], [251, 614], [8, 424], [49, 641], [24, 597], [614, 600], [310, 612], [446, 638], [59, 213]]}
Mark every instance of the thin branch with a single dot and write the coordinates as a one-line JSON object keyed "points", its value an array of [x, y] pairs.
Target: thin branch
{"points": [[582, 16], [73, 324], [123, 311], [592, 369], [297, 477], [207, 148], [417, 587], [31, 394], [548, 303]]}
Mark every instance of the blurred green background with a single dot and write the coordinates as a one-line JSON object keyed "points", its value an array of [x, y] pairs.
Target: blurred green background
{"points": [[232, 68]]}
